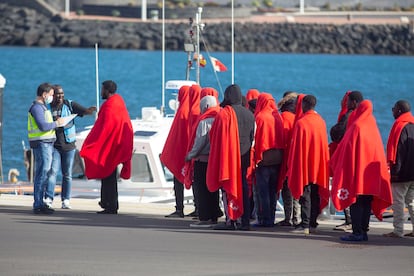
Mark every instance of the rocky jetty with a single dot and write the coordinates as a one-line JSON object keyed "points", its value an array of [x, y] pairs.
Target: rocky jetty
{"points": [[20, 26]]}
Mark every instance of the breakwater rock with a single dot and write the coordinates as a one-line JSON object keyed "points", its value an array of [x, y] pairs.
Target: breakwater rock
{"points": [[20, 26]]}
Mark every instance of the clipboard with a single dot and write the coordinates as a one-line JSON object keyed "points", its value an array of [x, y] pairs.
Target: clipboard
{"points": [[67, 119]]}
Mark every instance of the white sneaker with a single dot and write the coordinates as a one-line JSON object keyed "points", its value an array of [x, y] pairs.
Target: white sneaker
{"points": [[66, 204], [301, 230], [48, 201]]}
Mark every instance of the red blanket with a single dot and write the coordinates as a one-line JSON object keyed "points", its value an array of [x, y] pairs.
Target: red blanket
{"points": [[359, 165], [224, 162], [287, 118], [308, 156], [189, 166], [110, 141], [175, 147], [195, 91], [269, 127], [344, 109], [344, 106], [395, 134]]}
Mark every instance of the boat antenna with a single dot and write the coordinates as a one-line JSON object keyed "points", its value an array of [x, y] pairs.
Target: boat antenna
{"points": [[162, 109], [97, 80]]}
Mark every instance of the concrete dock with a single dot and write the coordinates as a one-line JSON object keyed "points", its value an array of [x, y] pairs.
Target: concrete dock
{"points": [[141, 241]]}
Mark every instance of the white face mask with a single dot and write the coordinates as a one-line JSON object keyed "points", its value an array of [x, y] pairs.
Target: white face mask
{"points": [[49, 99]]}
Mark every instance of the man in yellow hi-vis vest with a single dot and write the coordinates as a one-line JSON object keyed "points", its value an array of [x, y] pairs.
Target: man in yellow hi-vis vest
{"points": [[41, 134]]}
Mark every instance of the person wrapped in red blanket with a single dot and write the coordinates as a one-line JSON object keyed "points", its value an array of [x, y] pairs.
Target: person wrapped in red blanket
{"points": [[231, 139], [308, 176], [108, 144], [360, 174]]}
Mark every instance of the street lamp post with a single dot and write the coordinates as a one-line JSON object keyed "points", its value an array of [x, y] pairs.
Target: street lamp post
{"points": [[67, 8]]}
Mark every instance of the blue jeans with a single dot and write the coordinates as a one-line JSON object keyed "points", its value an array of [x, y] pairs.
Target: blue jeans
{"points": [[63, 160], [43, 161], [266, 181]]}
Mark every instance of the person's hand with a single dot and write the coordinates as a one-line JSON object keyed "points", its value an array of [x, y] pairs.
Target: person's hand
{"points": [[90, 110], [59, 122]]}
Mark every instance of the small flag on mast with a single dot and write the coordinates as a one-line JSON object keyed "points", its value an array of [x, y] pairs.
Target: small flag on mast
{"points": [[218, 66], [203, 61]]}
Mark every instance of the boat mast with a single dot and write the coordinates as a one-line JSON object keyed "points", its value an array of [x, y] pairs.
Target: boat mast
{"points": [[189, 48], [2, 85], [163, 60], [97, 80], [232, 41], [199, 28]]}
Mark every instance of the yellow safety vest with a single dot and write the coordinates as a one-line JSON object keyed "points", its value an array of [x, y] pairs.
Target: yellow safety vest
{"points": [[34, 133]]}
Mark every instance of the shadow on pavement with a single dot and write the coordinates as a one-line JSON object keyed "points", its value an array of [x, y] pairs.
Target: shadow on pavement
{"points": [[324, 232]]}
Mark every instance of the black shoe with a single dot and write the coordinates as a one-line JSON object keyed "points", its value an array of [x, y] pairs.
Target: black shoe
{"points": [[176, 214], [45, 209], [284, 223], [244, 228], [37, 211], [225, 226], [106, 211], [193, 214]]}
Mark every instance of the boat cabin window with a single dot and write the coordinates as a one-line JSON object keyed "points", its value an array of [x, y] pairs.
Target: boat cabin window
{"points": [[141, 171], [167, 173]]}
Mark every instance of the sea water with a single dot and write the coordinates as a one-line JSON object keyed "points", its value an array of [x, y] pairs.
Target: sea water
{"points": [[382, 79]]}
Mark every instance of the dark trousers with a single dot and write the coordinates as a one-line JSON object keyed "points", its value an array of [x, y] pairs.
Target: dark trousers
{"points": [[266, 179], [347, 213], [207, 202], [179, 195], [245, 219], [361, 214], [310, 205], [109, 192]]}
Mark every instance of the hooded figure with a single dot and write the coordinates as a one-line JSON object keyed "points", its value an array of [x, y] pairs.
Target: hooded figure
{"points": [[291, 206], [268, 151], [196, 165], [251, 99], [175, 148], [209, 91], [360, 173], [231, 139]]}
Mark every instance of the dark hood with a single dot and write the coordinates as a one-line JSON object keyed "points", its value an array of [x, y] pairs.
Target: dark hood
{"points": [[232, 96]]}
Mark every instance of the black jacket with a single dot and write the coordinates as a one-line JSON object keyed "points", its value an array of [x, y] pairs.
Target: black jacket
{"points": [[245, 121], [403, 169]]}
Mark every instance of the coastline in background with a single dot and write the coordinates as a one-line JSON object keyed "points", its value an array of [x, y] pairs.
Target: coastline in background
{"points": [[21, 26], [382, 79]]}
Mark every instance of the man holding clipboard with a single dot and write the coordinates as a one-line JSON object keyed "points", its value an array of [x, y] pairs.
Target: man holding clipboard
{"points": [[64, 146]]}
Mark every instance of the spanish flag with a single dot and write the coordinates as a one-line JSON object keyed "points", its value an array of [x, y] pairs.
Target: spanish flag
{"points": [[203, 61]]}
